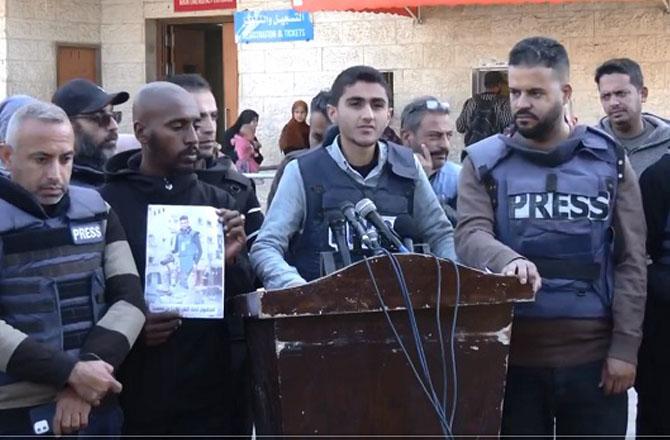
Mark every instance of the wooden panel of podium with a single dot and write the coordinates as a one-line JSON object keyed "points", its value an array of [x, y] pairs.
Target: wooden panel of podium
{"points": [[326, 362]]}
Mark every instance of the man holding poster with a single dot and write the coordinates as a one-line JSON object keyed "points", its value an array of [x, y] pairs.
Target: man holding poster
{"points": [[176, 380]]}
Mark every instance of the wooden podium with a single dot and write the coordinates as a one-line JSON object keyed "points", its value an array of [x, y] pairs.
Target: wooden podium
{"points": [[325, 361]]}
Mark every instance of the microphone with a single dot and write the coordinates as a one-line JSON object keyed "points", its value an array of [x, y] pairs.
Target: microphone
{"points": [[405, 227], [367, 209], [337, 225], [351, 216]]}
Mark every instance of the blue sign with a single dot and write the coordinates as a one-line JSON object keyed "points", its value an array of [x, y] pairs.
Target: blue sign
{"points": [[273, 26]]}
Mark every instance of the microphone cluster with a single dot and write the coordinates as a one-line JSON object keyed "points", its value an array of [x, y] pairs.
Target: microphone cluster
{"points": [[370, 229]]}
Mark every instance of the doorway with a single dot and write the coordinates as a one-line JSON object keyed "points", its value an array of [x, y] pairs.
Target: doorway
{"points": [[206, 48]]}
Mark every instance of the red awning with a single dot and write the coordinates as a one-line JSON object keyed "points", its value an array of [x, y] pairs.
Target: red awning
{"points": [[398, 6]]}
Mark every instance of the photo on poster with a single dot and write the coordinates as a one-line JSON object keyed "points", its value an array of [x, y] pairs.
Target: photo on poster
{"points": [[185, 261]]}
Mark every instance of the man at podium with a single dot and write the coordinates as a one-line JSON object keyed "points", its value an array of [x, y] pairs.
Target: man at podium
{"points": [[559, 207], [356, 165]]}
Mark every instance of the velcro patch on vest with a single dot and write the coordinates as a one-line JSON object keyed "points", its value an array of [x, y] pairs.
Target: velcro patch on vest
{"points": [[87, 233], [559, 206]]}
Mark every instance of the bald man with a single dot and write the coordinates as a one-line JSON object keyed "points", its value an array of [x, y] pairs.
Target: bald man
{"points": [[175, 381]]}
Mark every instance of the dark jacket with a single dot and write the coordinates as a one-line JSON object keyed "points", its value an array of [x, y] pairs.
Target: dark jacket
{"points": [[189, 372], [87, 176], [221, 174]]}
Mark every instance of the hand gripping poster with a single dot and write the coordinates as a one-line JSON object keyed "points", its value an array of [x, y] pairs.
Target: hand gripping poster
{"points": [[185, 261]]}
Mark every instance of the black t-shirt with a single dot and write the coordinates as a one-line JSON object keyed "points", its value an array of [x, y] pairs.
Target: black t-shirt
{"points": [[59, 208], [365, 169]]}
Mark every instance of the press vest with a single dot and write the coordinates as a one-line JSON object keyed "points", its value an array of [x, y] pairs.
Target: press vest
{"points": [[559, 216], [327, 186], [52, 283]]}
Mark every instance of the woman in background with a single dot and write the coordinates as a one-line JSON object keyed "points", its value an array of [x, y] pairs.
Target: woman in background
{"points": [[295, 134]]}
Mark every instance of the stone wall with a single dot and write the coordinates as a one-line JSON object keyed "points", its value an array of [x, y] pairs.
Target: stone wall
{"points": [[33, 28], [3, 49], [122, 31], [435, 57], [125, 64], [438, 56]]}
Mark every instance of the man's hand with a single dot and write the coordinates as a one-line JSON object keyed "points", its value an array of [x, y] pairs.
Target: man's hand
{"points": [[92, 380], [159, 327], [233, 228], [525, 271], [617, 376], [425, 159], [71, 412]]}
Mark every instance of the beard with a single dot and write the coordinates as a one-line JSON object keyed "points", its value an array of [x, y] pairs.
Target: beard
{"points": [[170, 165], [544, 126], [88, 153]]}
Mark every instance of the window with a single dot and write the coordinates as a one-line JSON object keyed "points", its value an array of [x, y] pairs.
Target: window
{"points": [[388, 76], [478, 79]]}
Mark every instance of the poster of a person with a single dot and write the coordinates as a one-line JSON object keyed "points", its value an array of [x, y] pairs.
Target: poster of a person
{"points": [[185, 261]]}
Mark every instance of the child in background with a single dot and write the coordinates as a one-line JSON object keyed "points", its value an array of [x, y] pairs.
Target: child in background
{"points": [[244, 148]]}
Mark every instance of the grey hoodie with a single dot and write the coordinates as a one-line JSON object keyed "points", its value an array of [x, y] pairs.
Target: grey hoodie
{"points": [[651, 148]]}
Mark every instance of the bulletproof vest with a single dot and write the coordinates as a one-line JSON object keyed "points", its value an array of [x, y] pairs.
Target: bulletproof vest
{"points": [[556, 210], [327, 186], [52, 283]]}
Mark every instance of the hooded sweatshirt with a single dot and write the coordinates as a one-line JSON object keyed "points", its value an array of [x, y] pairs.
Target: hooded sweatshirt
{"points": [[652, 144], [87, 176], [221, 174], [188, 373]]}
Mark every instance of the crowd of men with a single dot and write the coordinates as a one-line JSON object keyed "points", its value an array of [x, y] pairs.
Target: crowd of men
{"points": [[555, 204]]}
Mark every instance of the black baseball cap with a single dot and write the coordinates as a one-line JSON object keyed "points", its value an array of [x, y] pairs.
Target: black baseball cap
{"points": [[81, 96]]}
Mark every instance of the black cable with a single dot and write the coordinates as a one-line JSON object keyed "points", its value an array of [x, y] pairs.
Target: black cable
{"points": [[417, 337], [440, 336], [440, 413], [413, 324], [457, 303], [451, 339]]}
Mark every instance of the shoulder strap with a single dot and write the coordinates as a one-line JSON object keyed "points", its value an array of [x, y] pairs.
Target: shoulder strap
{"points": [[85, 203]]}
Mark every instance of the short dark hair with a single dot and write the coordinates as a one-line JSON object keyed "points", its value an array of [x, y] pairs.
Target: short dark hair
{"points": [[541, 51], [625, 66], [192, 82], [183, 217], [493, 78], [351, 76], [319, 103]]}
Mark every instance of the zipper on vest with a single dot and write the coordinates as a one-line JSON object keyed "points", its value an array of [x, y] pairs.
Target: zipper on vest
{"points": [[168, 184]]}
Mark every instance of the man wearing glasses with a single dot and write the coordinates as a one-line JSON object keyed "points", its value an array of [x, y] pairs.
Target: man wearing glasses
{"points": [[96, 125], [425, 127]]}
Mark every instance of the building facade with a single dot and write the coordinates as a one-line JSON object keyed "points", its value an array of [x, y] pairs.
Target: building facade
{"points": [[437, 56]]}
